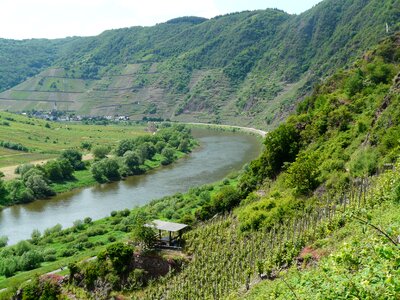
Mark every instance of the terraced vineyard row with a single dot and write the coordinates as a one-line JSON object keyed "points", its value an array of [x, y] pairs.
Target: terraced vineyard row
{"points": [[225, 259]]}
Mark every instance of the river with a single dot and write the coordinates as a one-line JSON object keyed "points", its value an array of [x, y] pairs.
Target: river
{"points": [[219, 154]]}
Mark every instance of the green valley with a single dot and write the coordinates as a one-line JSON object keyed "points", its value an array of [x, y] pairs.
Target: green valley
{"points": [[248, 68], [313, 213]]}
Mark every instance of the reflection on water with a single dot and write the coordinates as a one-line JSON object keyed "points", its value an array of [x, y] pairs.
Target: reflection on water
{"points": [[219, 154]]}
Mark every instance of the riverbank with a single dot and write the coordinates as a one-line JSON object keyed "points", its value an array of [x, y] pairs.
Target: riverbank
{"points": [[84, 178], [9, 171], [131, 156]]}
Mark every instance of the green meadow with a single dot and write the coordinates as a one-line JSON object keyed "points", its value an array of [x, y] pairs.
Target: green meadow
{"points": [[45, 139]]}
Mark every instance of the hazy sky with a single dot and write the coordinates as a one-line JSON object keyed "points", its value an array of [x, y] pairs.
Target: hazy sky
{"points": [[21, 19]]}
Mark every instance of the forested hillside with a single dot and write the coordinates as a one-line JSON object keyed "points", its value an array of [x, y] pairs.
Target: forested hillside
{"points": [[242, 68], [23, 59], [316, 216]]}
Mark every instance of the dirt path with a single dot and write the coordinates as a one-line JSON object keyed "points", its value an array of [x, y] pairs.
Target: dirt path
{"points": [[246, 129], [9, 172]]}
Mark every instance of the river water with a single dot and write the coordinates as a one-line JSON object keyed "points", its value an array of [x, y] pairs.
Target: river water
{"points": [[219, 154]]}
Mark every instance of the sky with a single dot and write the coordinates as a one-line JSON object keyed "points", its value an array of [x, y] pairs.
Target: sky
{"points": [[22, 19]]}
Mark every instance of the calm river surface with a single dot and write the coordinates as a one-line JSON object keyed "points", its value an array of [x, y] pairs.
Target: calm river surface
{"points": [[219, 154]]}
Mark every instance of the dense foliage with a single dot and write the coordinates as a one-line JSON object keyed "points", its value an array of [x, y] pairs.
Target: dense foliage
{"points": [[132, 154], [22, 59]]}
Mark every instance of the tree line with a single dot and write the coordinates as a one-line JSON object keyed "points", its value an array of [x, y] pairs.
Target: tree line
{"points": [[127, 158]]}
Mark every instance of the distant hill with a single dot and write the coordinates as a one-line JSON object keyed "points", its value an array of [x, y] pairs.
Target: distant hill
{"points": [[241, 68]]}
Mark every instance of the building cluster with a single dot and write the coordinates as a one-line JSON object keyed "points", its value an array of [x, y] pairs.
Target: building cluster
{"points": [[68, 117]]}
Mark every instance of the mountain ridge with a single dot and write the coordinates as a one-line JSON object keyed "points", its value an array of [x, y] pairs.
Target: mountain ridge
{"points": [[247, 68]]}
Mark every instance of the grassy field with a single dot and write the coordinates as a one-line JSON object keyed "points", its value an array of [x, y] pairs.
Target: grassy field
{"points": [[47, 139]]}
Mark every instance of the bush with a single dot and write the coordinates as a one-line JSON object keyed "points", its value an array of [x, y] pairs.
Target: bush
{"points": [[78, 225], [3, 241], [52, 230], [100, 152], [30, 260], [303, 174], [8, 266], [86, 145], [38, 185], [22, 247], [22, 169], [18, 192], [106, 170], [13, 146], [74, 157], [120, 256], [168, 155], [35, 236], [125, 212], [68, 252]]}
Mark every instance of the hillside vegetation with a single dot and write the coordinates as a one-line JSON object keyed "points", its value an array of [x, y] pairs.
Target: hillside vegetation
{"points": [[242, 68], [315, 216]]}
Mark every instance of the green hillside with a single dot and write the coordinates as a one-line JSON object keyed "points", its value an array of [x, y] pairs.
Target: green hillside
{"points": [[315, 216], [242, 68]]}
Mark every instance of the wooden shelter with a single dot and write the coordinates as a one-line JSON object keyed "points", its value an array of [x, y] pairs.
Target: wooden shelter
{"points": [[174, 230]]}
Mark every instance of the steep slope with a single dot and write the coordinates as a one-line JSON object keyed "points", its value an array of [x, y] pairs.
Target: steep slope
{"points": [[241, 68], [328, 175], [23, 59]]}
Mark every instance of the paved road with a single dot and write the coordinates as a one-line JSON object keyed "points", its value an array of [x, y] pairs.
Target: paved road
{"points": [[247, 129]]}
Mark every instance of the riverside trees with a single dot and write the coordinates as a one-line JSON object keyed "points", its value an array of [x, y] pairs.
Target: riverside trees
{"points": [[132, 156], [35, 181]]}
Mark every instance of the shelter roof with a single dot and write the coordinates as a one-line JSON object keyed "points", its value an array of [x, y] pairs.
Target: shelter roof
{"points": [[167, 226]]}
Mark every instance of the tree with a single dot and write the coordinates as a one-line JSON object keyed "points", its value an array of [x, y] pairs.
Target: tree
{"points": [[144, 235], [131, 160], [225, 199], [22, 169], [120, 256], [146, 151], [123, 146], [30, 260], [184, 145], [32, 172], [3, 241], [97, 172], [160, 145], [39, 186], [169, 155], [3, 190], [303, 174], [67, 169], [281, 145], [35, 236], [53, 170], [100, 152], [74, 157], [106, 170], [18, 192]]}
